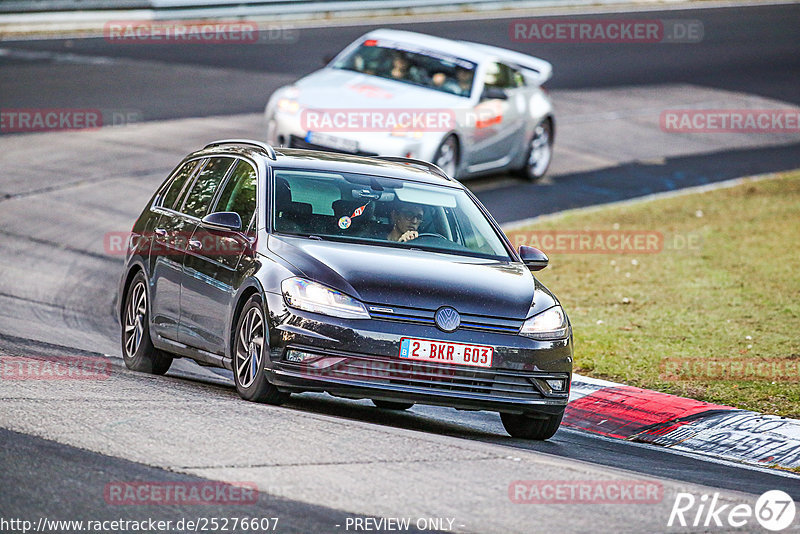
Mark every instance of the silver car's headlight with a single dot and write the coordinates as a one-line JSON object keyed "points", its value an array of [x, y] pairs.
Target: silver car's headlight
{"points": [[313, 297], [550, 324], [288, 105]]}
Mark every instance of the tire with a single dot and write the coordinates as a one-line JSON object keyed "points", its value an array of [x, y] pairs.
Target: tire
{"points": [[539, 153], [538, 427], [392, 405], [446, 156], [250, 350], [138, 351]]}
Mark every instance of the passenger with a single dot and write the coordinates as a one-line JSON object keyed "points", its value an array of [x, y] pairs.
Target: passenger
{"points": [[406, 219], [460, 86], [400, 67], [439, 79]]}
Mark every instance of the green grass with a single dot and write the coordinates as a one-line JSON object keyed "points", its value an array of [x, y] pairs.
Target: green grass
{"points": [[741, 278]]}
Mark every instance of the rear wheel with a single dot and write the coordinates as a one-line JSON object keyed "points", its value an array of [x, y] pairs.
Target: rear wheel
{"points": [[392, 405], [539, 427], [249, 355], [446, 157], [138, 351]]}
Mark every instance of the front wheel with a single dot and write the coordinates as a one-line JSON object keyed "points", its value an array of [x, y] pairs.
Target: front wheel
{"points": [[446, 157], [249, 356], [138, 351], [538, 427], [540, 152]]}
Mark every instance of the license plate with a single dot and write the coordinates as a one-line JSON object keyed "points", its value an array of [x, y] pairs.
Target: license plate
{"points": [[331, 141], [430, 350]]}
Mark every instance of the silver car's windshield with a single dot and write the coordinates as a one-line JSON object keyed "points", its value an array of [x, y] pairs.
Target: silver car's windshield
{"points": [[404, 63], [382, 211]]}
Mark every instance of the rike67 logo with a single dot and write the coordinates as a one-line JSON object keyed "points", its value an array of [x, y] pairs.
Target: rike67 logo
{"points": [[774, 511]]}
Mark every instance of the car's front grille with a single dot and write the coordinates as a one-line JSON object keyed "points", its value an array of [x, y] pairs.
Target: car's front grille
{"points": [[469, 322], [296, 141], [494, 382]]}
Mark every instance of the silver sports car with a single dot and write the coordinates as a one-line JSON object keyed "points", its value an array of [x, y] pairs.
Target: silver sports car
{"points": [[469, 108]]}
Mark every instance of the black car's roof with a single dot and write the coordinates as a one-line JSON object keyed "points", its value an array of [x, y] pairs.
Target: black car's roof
{"points": [[295, 158]]}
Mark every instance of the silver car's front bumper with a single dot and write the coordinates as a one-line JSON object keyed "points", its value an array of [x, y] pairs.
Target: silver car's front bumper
{"points": [[284, 129]]}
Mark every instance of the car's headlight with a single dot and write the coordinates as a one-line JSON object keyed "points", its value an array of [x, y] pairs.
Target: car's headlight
{"points": [[550, 324], [402, 131], [313, 297], [288, 105]]}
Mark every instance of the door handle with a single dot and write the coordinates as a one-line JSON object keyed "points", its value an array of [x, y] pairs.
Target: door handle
{"points": [[195, 244]]}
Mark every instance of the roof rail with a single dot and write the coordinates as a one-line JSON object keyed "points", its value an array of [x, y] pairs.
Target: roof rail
{"points": [[425, 165], [265, 148]]}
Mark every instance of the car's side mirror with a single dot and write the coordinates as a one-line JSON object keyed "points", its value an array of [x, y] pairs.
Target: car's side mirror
{"points": [[223, 220], [327, 58], [533, 258], [493, 93]]}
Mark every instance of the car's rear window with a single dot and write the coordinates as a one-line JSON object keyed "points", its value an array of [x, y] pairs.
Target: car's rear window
{"points": [[205, 186], [376, 210], [177, 184]]}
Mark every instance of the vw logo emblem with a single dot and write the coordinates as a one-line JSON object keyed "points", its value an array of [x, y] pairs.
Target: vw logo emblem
{"points": [[447, 319]]}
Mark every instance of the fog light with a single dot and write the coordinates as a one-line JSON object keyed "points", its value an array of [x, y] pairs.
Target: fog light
{"points": [[298, 356], [556, 384]]}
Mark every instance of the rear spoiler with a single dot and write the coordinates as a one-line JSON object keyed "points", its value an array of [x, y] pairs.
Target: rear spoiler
{"points": [[536, 70]]}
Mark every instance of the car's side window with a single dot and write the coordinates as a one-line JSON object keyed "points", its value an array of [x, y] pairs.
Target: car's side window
{"points": [[500, 76], [169, 198], [517, 78], [205, 185], [239, 193]]}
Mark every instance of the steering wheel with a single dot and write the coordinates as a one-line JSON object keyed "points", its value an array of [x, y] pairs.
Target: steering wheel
{"points": [[432, 234]]}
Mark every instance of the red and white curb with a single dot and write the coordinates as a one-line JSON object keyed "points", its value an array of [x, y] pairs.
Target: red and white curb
{"points": [[625, 412]]}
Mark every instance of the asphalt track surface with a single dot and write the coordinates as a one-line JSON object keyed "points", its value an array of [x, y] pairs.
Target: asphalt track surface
{"points": [[754, 51], [750, 50]]}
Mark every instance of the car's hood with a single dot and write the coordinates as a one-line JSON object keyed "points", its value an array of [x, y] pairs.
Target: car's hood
{"points": [[412, 278], [336, 89]]}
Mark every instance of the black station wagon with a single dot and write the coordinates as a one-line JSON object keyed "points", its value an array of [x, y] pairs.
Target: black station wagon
{"points": [[364, 277]]}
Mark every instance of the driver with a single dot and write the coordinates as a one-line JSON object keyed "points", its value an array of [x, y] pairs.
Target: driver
{"points": [[406, 219]]}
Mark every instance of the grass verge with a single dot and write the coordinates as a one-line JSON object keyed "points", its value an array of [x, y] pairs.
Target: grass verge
{"points": [[709, 310]]}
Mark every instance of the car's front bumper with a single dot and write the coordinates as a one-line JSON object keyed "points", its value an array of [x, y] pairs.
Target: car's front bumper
{"points": [[360, 359]]}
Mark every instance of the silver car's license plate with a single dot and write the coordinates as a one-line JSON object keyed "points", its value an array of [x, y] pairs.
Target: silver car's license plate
{"points": [[331, 141]]}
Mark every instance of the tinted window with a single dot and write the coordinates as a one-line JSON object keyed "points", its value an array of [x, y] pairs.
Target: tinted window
{"points": [[518, 78], [500, 76], [205, 185], [176, 186], [239, 194]]}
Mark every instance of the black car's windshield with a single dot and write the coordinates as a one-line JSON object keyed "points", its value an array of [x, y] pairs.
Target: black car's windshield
{"points": [[382, 211], [404, 63]]}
